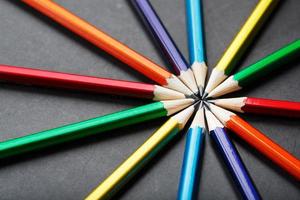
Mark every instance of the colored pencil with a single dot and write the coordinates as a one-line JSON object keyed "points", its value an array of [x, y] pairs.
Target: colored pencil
{"points": [[166, 43], [259, 141], [108, 44], [190, 171], [141, 156], [261, 68], [29, 76], [231, 158], [260, 106], [196, 44], [89, 127], [240, 43]]}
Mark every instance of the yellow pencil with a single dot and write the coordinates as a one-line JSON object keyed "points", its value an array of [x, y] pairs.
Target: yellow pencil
{"points": [[240, 43], [141, 156]]}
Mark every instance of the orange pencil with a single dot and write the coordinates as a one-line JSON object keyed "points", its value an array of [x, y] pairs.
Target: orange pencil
{"points": [[108, 44], [258, 140]]}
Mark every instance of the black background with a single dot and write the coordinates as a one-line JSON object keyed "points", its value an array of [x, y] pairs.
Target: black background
{"points": [[71, 171]]}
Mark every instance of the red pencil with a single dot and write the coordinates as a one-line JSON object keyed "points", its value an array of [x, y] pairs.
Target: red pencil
{"points": [[258, 140], [29, 76], [260, 106]]}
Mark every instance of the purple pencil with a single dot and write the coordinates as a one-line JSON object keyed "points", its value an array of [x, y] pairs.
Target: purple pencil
{"points": [[231, 158], [165, 41]]}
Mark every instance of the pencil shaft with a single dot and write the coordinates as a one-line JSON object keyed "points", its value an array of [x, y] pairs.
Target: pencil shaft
{"points": [[161, 35], [190, 171], [268, 64], [81, 129], [195, 29], [136, 161], [234, 164], [245, 36], [265, 145], [29, 76], [272, 107], [101, 40]]}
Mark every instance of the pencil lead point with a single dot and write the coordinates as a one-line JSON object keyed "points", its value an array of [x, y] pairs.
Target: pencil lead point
{"points": [[206, 104], [201, 104], [192, 96], [212, 101]]}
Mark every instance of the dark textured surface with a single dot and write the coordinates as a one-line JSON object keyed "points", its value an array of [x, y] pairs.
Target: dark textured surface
{"points": [[73, 170]]}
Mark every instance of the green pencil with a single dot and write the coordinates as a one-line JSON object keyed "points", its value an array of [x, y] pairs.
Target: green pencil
{"points": [[259, 69], [89, 127]]}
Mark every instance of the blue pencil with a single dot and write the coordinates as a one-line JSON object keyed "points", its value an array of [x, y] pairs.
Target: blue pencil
{"points": [[190, 171], [196, 42], [231, 158], [165, 41]]}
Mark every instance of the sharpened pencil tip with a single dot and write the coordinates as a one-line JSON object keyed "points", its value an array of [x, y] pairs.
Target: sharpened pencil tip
{"points": [[200, 72], [206, 104], [212, 101], [216, 77], [162, 93], [198, 120], [198, 93], [201, 104], [188, 78], [228, 86], [212, 121], [174, 106], [193, 96], [184, 116], [176, 84], [222, 114]]}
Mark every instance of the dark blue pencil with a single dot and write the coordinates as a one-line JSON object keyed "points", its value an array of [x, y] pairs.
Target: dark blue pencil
{"points": [[165, 41], [231, 157]]}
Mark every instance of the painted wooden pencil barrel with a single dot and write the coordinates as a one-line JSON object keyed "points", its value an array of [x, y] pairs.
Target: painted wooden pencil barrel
{"points": [[190, 171], [235, 164], [81, 129]]}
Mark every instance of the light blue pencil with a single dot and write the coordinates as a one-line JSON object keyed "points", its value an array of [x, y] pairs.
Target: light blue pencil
{"points": [[196, 42], [190, 171]]}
